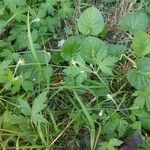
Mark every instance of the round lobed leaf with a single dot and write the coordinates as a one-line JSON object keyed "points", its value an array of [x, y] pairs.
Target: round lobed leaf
{"points": [[141, 44], [143, 65], [91, 22], [92, 47], [134, 22], [138, 80]]}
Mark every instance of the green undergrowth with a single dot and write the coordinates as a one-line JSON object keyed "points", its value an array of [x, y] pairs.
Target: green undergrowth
{"points": [[64, 85]]}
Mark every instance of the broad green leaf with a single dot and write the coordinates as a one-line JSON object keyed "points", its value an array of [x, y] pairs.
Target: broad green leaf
{"points": [[106, 65], [134, 22], [70, 47], [137, 79], [143, 65], [27, 85], [91, 22], [141, 44], [116, 49], [92, 47]]}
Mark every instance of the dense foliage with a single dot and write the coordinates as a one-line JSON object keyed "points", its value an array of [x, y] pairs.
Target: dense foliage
{"points": [[73, 75]]}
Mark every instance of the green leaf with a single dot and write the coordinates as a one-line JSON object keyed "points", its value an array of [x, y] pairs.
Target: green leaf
{"points": [[121, 128], [143, 98], [91, 22], [56, 58], [137, 79], [38, 106], [143, 65], [92, 47], [39, 118], [29, 61], [115, 142], [2, 26], [116, 49], [4, 64], [144, 117], [106, 65], [66, 9], [134, 22], [96, 88], [72, 71], [25, 108], [111, 145], [11, 121], [47, 72], [70, 47], [27, 85], [12, 4], [77, 71], [141, 44]]}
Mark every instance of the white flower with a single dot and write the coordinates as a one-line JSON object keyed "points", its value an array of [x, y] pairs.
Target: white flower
{"points": [[49, 55], [21, 61], [36, 20], [82, 71], [109, 97], [73, 62], [34, 79], [100, 113], [61, 42], [18, 77]]}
